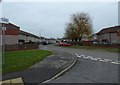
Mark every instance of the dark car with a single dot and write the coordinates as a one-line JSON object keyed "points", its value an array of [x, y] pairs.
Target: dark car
{"points": [[44, 43]]}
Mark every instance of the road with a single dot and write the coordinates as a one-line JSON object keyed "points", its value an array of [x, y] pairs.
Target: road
{"points": [[91, 67]]}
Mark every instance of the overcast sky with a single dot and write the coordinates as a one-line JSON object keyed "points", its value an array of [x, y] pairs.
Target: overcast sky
{"points": [[53, 16]]}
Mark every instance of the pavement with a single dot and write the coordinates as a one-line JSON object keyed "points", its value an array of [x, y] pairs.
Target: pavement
{"points": [[18, 81], [44, 70]]}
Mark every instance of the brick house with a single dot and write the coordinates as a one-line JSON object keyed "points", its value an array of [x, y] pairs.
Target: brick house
{"points": [[13, 35], [109, 35]]}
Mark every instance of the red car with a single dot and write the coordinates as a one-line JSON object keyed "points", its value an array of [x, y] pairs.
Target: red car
{"points": [[64, 44]]}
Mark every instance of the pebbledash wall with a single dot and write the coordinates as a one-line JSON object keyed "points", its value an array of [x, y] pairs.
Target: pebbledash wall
{"points": [[13, 35], [110, 35]]}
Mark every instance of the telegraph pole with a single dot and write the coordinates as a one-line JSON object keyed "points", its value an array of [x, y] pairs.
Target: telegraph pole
{"points": [[40, 35]]}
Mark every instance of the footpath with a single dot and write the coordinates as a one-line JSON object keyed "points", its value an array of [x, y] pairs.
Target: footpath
{"points": [[50, 68]]}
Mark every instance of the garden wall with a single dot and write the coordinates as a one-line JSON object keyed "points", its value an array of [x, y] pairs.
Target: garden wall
{"points": [[21, 47]]}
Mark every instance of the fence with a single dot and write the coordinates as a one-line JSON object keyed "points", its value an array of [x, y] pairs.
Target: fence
{"points": [[89, 43], [106, 45], [21, 47], [75, 42]]}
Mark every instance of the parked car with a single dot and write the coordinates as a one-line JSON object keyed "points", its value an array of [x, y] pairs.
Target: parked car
{"points": [[64, 44], [44, 43]]}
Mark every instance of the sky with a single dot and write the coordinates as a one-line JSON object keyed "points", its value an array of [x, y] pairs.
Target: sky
{"points": [[49, 19]]}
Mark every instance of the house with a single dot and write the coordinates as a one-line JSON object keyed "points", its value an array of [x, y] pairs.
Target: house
{"points": [[109, 35], [13, 35], [25, 37]]}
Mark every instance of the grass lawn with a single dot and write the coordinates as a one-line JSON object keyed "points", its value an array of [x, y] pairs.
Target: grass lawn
{"points": [[21, 60], [96, 48]]}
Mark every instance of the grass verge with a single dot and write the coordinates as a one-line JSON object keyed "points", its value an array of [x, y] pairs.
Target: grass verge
{"points": [[21, 60], [96, 48]]}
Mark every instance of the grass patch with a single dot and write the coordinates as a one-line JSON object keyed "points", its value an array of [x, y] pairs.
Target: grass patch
{"points": [[21, 60]]}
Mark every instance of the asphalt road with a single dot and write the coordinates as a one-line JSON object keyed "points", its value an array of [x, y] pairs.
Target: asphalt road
{"points": [[91, 67]]}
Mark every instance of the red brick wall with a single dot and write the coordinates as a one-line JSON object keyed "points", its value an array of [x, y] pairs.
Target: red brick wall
{"points": [[12, 32], [11, 29], [87, 43]]}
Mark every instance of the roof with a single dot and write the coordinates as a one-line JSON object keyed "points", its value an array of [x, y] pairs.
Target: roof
{"points": [[109, 30], [10, 26], [28, 34]]}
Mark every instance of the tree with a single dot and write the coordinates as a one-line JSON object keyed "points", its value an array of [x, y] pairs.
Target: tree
{"points": [[80, 25]]}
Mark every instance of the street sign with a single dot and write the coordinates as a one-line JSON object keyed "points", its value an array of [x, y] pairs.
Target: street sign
{"points": [[4, 20]]}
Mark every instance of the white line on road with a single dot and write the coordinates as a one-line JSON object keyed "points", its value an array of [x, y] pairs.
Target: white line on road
{"points": [[107, 60], [86, 57], [98, 59], [93, 58], [115, 63], [102, 60], [82, 55], [78, 55]]}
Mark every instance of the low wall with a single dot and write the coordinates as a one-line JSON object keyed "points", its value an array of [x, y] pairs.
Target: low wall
{"points": [[21, 47], [75, 42]]}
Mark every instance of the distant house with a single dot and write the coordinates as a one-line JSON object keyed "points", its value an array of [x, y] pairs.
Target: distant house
{"points": [[109, 35], [25, 37], [13, 35]]}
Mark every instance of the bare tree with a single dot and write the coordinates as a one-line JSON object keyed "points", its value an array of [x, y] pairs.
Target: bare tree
{"points": [[80, 25]]}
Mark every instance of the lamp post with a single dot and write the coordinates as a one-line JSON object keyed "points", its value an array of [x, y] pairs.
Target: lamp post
{"points": [[40, 32], [4, 21]]}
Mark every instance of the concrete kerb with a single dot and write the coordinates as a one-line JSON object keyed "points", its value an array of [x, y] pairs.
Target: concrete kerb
{"points": [[63, 71]]}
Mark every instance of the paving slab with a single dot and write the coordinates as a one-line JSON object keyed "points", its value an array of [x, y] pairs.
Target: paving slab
{"points": [[14, 81]]}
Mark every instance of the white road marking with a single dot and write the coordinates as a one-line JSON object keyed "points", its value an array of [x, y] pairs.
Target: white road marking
{"points": [[103, 60], [93, 58], [78, 55], [114, 62], [98, 59], [86, 57], [82, 55], [107, 60]]}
